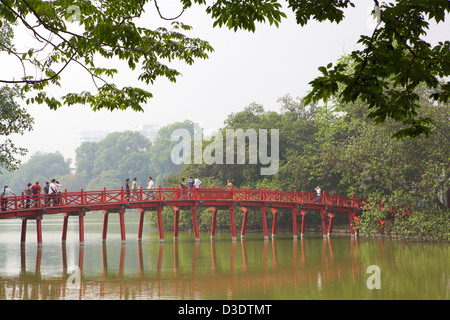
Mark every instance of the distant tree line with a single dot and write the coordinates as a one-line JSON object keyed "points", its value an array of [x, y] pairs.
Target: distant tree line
{"points": [[334, 146]]}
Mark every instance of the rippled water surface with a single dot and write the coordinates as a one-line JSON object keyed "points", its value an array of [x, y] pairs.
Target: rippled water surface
{"points": [[280, 268]]}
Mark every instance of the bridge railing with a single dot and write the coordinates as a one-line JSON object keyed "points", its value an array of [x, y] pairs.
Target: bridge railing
{"points": [[110, 197]]}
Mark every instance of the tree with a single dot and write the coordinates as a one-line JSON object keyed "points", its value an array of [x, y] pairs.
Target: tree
{"points": [[394, 62], [41, 167], [109, 30], [115, 147], [396, 51], [13, 118]]}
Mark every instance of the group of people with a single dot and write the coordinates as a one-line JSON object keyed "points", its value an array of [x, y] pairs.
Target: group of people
{"points": [[32, 191], [131, 191], [193, 182]]}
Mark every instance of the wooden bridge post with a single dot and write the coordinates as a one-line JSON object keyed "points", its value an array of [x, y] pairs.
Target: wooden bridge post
{"points": [[194, 220], [160, 224], [324, 224], [302, 231], [274, 223], [81, 227], [213, 222], [294, 222], [141, 223], [65, 224], [330, 223], [233, 229], [39, 230], [24, 231], [175, 222], [351, 217], [244, 222], [105, 224], [264, 218], [122, 224]]}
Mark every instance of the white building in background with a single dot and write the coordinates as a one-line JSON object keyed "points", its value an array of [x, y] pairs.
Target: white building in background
{"points": [[91, 136], [150, 131]]}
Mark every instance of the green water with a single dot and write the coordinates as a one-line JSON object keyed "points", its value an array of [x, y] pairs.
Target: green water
{"points": [[280, 268]]}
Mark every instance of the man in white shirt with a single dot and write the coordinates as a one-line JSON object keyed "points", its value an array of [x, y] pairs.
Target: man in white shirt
{"points": [[5, 194], [53, 190], [197, 183], [319, 194], [150, 185]]}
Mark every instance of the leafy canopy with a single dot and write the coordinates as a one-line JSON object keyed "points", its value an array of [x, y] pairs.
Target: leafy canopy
{"points": [[396, 52]]}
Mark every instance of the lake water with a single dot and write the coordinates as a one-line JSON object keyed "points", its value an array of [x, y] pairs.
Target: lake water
{"points": [[280, 268]]}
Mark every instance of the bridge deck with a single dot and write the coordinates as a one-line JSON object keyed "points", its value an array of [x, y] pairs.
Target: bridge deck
{"points": [[117, 201]]}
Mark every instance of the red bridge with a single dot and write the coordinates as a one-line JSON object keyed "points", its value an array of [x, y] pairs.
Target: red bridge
{"points": [[35, 207]]}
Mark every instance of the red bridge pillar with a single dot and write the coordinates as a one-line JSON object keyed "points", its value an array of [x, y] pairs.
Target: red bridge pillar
{"points": [[141, 223], [351, 218], [233, 229], [160, 224], [105, 224], [324, 224], [194, 220], [294, 222], [23, 236], [175, 222], [264, 218], [244, 222], [81, 227], [330, 223], [122, 224], [80, 215], [274, 223], [303, 213], [213, 223]]}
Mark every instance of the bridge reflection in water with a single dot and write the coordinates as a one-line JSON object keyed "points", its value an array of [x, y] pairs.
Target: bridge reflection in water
{"points": [[190, 270]]}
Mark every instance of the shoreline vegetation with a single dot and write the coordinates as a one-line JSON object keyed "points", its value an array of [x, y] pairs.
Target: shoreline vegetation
{"points": [[421, 226], [335, 146]]}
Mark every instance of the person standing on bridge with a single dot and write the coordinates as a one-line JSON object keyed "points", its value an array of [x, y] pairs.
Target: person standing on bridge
{"points": [[134, 187], [190, 186], [183, 186], [46, 191], [36, 190], [27, 192], [150, 186], [197, 183], [53, 192], [127, 189], [6, 193], [319, 194]]}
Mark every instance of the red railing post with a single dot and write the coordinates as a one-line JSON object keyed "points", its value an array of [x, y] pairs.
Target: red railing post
{"points": [[103, 201]]}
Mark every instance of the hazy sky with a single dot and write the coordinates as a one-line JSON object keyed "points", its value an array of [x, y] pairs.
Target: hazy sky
{"points": [[244, 68]]}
